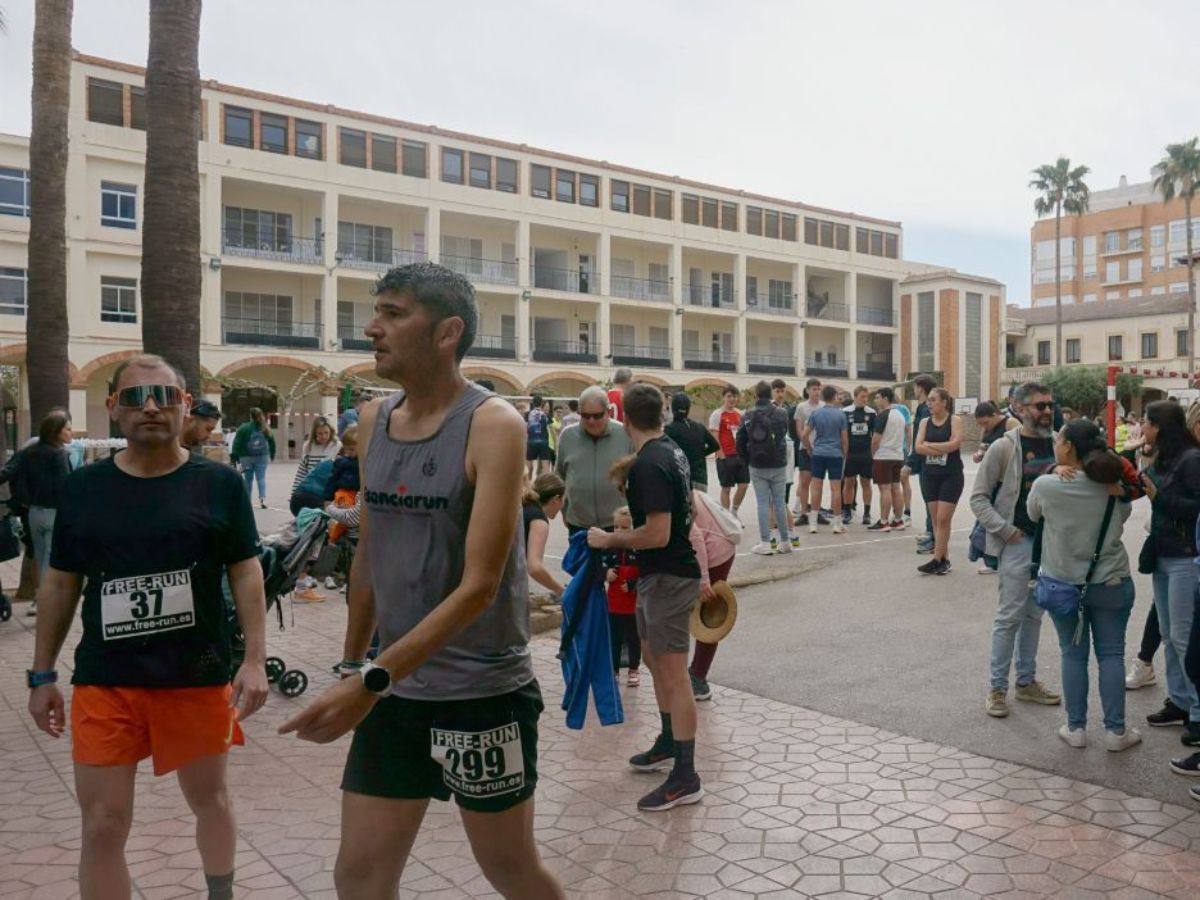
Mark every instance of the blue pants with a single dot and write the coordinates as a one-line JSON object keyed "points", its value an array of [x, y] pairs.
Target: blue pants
{"points": [[1107, 614], [41, 527], [1018, 623], [255, 467], [770, 492], [1174, 599]]}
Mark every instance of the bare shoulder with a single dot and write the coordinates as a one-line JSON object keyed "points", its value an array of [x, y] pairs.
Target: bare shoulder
{"points": [[498, 416]]}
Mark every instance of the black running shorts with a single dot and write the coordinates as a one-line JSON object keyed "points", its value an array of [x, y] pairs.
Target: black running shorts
{"points": [[857, 467], [941, 487], [731, 471], [483, 752]]}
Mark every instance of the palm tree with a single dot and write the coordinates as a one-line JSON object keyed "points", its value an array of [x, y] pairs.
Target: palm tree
{"points": [[1178, 175], [171, 272], [46, 327], [1062, 190]]}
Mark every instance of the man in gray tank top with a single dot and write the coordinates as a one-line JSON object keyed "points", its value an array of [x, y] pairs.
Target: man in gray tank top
{"points": [[450, 707]]}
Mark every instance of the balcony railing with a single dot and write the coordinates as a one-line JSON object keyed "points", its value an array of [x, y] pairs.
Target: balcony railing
{"points": [[272, 333], [358, 256], [873, 315], [780, 306], [883, 371], [824, 365], [571, 280], [494, 346], [640, 288], [641, 355], [766, 364], [564, 351], [713, 295], [352, 338], [820, 308], [487, 271], [708, 360], [283, 248]]}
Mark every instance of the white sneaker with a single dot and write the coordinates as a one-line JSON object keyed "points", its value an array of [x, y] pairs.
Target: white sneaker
{"points": [[1140, 675], [1074, 737], [1115, 743], [812, 526], [331, 583], [784, 547], [763, 549], [838, 527], [907, 521], [985, 570]]}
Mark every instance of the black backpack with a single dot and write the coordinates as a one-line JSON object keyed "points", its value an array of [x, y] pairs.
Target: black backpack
{"points": [[760, 441]]}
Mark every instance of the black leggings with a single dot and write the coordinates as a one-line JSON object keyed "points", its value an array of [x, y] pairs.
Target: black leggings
{"points": [[1151, 637], [622, 630]]}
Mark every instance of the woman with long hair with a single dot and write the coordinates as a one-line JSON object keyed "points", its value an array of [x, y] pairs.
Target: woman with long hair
{"points": [[253, 450], [1072, 510], [938, 441], [42, 472], [322, 444], [1172, 482], [542, 502]]}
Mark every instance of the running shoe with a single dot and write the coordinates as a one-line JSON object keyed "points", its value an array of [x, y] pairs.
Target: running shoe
{"points": [[930, 568], [898, 525], [700, 689], [985, 569], [262, 504], [924, 549], [785, 547], [795, 542], [812, 528], [997, 704], [1036, 692], [309, 595], [1074, 737], [880, 525], [839, 528], [763, 549], [774, 544], [1191, 735], [658, 757], [847, 515], [1140, 675], [802, 518], [331, 583], [822, 518], [866, 519], [677, 790], [634, 679], [1194, 792], [1170, 714], [1186, 765], [943, 568], [908, 518], [1115, 742]]}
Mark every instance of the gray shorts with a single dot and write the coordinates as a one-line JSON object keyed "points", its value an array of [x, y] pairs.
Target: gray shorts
{"points": [[664, 609]]}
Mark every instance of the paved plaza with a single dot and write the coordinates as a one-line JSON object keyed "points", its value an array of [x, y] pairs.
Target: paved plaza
{"points": [[803, 798]]}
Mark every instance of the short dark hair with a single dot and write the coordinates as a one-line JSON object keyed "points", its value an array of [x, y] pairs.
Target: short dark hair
{"points": [[762, 390], [887, 394], [779, 384], [729, 389], [861, 389], [643, 404], [573, 405], [925, 382], [986, 409], [487, 384], [812, 382], [444, 294], [145, 361], [829, 393], [1027, 390], [536, 401]]}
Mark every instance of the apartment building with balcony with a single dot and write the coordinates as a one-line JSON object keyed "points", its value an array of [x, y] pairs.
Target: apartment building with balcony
{"points": [[579, 265]]}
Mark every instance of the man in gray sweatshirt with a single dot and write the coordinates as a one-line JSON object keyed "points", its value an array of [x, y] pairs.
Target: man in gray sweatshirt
{"points": [[585, 454]]}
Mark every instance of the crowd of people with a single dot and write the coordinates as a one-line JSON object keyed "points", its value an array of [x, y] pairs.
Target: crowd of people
{"points": [[449, 493]]}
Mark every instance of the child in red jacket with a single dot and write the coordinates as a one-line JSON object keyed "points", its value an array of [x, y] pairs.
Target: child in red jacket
{"points": [[622, 578]]}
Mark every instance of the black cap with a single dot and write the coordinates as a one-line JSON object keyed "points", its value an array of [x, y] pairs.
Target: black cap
{"points": [[205, 410], [680, 403]]}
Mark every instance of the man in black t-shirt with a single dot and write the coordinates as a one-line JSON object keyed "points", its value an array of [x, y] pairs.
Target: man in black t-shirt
{"points": [[151, 530], [860, 423], [659, 494]]}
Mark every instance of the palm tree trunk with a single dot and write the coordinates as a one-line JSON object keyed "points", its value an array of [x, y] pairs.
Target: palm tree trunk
{"points": [[47, 332], [1191, 322], [1057, 285], [171, 274]]}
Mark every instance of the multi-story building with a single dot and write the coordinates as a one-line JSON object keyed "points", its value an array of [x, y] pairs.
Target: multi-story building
{"points": [[1128, 245], [580, 265]]}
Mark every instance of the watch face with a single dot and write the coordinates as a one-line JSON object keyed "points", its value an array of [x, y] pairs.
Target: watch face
{"points": [[377, 680]]}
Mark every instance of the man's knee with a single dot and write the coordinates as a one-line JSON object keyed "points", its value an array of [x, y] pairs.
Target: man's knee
{"points": [[106, 827]]}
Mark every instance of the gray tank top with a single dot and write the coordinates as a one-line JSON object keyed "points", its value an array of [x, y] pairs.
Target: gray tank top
{"points": [[420, 505]]}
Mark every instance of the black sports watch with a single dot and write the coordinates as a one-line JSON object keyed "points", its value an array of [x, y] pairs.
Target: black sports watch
{"points": [[34, 679], [376, 679]]}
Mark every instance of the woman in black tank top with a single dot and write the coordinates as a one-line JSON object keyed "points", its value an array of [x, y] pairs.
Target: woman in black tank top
{"points": [[938, 441]]}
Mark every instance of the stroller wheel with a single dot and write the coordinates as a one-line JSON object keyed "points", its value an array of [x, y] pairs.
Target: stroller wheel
{"points": [[5, 609], [293, 683], [275, 669]]}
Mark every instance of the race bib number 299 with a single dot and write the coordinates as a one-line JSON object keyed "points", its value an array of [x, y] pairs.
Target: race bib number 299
{"points": [[146, 605], [480, 763]]}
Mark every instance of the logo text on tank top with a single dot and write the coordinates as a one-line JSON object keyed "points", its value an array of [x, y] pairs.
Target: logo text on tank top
{"points": [[402, 499]]}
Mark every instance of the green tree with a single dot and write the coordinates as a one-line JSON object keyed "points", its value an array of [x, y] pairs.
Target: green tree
{"points": [[1062, 190], [171, 274], [1084, 388], [1178, 175], [47, 331]]}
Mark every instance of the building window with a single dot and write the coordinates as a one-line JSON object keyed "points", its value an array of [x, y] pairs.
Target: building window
{"points": [[1134, 293], [689, 209], [926, 337], [771, 224], [1073, 350], [1089, 298], [258, 229], [841, 237], [826, 234], [1158, 263], [1112, 272], [1133, 239], [1158, 290], [810, 231], [118, 300], [1114, 348], [272, 133], [754, 220], [708, 211], [539, 181], [308, 139], [662, 205], [452, 165], [371, 243], [619, 195], [383, 153], [641, 200], [729, 217], [353, 147], [1112, 242], [564, 186], [137, 107], [1134, 269], [1179, 287], [788, 227], [1043, 353], [1150, 345], [14, 192], [589, 190], [1158, 235], [14, 292], [506, 175], [118, 205], [891, 246], [414, 159], [862, 240], [104, 102], [1178, 231], [239, 127], [877, 243], [1181, 343], [481, 170]]}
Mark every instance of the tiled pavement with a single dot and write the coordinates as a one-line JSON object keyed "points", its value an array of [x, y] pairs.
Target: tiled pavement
{"points": [[799, 804]]}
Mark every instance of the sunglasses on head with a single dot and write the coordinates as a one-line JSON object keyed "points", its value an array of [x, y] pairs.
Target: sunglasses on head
{"points": [[135, 397], [1041, 405], [594, 417]]}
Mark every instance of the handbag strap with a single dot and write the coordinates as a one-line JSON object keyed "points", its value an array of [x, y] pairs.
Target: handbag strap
{"points": [[1108, 511]]}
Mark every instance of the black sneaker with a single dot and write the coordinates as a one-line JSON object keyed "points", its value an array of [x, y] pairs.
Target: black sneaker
{"points": [[1170, 714], [879, 526], [802, 519], [866, 519], [1194, 792], [943, 567], [1191, 735], [1187, 765], [677, 790], [822, 519], [658, 757], [700, 689], [930, 568]]}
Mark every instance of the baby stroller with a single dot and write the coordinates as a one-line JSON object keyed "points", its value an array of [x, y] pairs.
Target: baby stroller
{"points": [[284, 556]]}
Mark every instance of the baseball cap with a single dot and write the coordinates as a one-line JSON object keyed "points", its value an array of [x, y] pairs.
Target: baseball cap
{"points": [[680, 403], [205, 410]]}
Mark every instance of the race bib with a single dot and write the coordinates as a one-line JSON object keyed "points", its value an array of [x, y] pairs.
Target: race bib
{"points": [[146, 605], [935, 460], [480, 763], [859, 428]]}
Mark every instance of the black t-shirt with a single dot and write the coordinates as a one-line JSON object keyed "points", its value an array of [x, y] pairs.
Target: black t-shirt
{"points": [[1037, 458], [152, 551], [659, 481], [530, 513], [696, 442], [860, 424]]}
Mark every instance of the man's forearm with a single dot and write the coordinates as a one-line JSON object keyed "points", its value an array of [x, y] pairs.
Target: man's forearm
{"points": [[251, 605], [643, 538], [56, 610]]}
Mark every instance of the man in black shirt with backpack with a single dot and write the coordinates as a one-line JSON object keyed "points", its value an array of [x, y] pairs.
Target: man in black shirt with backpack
{"points": [[762, 445]]}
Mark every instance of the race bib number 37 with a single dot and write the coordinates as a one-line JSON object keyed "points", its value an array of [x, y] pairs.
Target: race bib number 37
{"points": [[480, 763], [146, 605]]}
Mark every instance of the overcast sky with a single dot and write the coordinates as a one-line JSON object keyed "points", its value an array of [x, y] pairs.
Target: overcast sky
{"points": [[932, 113]]}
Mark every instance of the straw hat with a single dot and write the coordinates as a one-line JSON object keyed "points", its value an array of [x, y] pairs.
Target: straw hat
{"points": [[714, 620]]}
